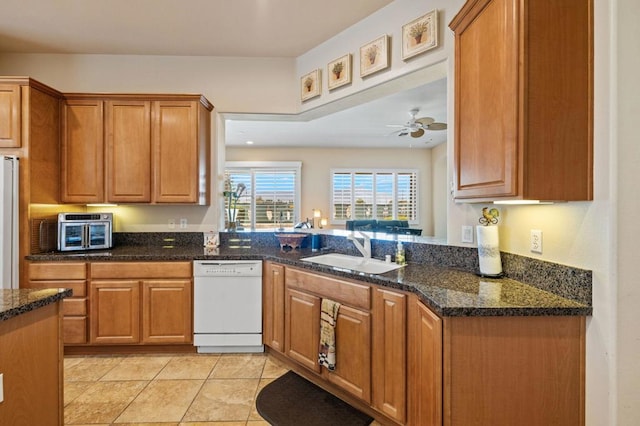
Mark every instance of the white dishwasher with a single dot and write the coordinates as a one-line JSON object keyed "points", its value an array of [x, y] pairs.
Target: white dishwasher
{"points": [[227, 306]]}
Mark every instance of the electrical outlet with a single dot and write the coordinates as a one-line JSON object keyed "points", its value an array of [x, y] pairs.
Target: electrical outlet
{"points": [[536, 241], [183, 223], [1, 387], [467, 234], [172, 223]]}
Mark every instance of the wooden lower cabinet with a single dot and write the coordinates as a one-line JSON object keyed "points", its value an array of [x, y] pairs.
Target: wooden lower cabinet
{"points": [[303, 301], [389, 373], [424, 365], [273, 306], [71, 275], [141, 303], [353, 353], [302, 325], [31, 363], [115, 312], [514, 371], [166, 311]]}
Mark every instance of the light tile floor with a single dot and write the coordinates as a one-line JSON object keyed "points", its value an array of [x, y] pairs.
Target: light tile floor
{"points": [[166, 390]]}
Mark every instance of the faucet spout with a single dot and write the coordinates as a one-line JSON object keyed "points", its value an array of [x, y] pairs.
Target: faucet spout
{"points": [[365, 247]]}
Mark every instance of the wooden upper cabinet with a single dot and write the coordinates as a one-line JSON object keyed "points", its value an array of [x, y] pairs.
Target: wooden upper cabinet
{"points": [[10, 116], [524, 100], [82, 144], [175, 144], [128, 153], [121, 148]]}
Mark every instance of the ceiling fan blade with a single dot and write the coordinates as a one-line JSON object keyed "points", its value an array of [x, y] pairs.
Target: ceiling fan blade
{"points": [[425, 121], [417, 133], [437, 126]]}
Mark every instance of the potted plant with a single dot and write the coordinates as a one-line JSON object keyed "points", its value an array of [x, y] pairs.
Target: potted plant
{"points": [[232, 197], [308, 83], [337, 69], [417, 30], [371, 53]]}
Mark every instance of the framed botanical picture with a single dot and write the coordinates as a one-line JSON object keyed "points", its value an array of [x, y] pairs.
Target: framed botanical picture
{"points": [[310, 85], [420, 35], [339, 72], [374, 56]]}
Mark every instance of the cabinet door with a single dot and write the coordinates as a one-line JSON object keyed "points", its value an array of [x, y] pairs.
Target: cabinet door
{"points": [[10, 116], [486, 103], [128, 153], [353, 353], [425, 366], [115, 312], [302, 328], [65, 275], [175, 151], [82, 162], [389, 346], [273, 300], [166, 311]]}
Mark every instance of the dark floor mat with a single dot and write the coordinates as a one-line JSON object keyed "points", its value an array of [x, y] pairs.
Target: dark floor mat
{"points": [[293, 401]]}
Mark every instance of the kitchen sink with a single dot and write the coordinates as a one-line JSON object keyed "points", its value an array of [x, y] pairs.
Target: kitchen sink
{"points": [[354, 263]]}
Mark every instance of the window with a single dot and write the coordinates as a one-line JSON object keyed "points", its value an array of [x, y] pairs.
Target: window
{"points": [[272, 195], [374, 194]]}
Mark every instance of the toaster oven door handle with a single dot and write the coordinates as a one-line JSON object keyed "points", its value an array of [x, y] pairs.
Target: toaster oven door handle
{"points": [[85, 235]]}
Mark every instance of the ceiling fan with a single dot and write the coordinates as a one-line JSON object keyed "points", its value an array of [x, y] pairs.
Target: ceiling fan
{"points": [[416, 126]]}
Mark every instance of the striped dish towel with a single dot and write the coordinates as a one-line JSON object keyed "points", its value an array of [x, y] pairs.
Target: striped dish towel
{"points": [[328, 320]]}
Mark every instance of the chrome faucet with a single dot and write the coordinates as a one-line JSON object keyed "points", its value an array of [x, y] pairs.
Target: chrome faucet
{"points": [[365, 248]]}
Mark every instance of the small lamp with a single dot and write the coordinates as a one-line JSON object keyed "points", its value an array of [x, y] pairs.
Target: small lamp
{"points": [[317, 214], [323, 222]]}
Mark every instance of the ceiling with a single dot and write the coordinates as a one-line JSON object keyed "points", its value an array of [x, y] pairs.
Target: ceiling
{"points": [[249, 28], [361, 126], [258, 28]]}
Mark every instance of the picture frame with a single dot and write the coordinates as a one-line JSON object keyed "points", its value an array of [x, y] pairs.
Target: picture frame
{"points": [[339, 72], [374, 56], [420, 35], [310, 85]]}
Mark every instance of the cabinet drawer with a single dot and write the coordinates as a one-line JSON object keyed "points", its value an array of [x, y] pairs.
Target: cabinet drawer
{"points": [[79, 287], [74, 307], [57, 271], [74, 330], [353, 294], [141, 270]]}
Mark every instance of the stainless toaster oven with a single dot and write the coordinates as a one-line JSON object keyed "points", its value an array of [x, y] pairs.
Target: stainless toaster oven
{"points": [[84, 231]]}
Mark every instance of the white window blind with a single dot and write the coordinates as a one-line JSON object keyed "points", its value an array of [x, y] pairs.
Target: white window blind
{"points": [[272, 197], [374, 194]]}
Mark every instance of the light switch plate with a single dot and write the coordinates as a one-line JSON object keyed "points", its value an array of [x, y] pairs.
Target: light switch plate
{"points": [[467, 234]]}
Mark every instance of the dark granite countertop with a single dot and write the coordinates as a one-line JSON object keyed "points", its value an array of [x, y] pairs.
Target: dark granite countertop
{"points": [[17, 302], [448, 291]]}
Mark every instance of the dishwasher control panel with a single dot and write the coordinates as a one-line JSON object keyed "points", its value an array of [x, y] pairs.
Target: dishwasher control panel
{"points": [[227, 268]]}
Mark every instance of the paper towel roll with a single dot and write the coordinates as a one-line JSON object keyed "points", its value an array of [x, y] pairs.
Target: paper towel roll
{"points": [[489, 250]]}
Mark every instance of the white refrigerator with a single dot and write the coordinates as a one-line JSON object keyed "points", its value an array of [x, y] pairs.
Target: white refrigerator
{"points": [[9, 166]]}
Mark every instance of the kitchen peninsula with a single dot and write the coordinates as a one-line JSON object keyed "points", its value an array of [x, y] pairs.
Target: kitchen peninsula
{"points": [[429, 343], [31, 356]]}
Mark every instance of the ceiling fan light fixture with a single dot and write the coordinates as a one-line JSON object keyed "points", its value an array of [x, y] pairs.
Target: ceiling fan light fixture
{"points": [[437, 126], [417, 133]]}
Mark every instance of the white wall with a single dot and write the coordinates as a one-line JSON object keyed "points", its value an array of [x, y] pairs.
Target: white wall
{"points": [[598, 235], [317, 163], [625, 109]]}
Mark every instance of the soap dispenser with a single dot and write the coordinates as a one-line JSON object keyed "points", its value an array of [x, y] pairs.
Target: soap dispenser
{"points": [[400, 259]]}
